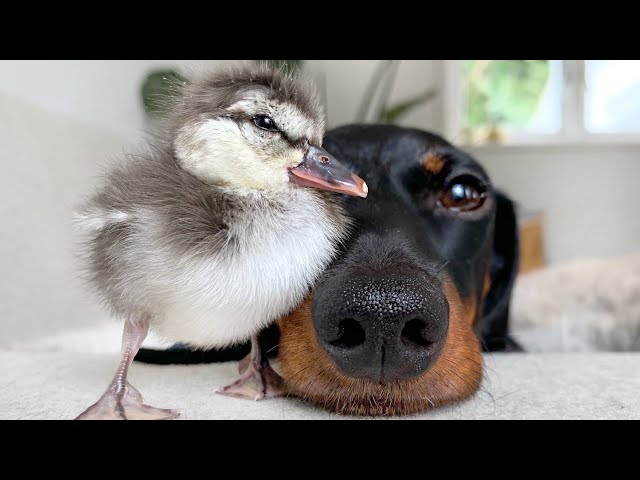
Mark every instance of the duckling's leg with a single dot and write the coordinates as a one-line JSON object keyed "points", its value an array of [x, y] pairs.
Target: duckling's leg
{"points": [[257, 379], [121, 401]]}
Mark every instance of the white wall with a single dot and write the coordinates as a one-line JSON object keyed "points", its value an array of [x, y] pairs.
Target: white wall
{"points": [[588, 195], [101, 93], [47, 161], [345, 82]]}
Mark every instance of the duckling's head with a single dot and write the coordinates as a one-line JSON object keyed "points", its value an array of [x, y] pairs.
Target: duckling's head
{"points": [[251, 127]]}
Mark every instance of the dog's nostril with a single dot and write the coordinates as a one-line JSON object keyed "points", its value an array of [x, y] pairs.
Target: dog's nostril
{"points": [[351, 334], [414, 333]]}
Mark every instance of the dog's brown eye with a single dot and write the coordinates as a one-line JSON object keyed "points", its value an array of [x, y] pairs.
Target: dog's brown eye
{"points": [[463, 194]]}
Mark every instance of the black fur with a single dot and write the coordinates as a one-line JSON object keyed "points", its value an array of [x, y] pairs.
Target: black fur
{"points": [[494, 326]]}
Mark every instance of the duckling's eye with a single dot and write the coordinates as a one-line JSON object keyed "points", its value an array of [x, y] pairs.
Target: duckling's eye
{"points": [[265, 123]]}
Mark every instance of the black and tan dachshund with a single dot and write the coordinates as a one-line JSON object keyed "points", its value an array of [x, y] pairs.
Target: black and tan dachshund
{"points": [[397, 323]]}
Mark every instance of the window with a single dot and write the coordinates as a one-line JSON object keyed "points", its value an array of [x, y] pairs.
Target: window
{"points": [[612, 96], [542, 101]]}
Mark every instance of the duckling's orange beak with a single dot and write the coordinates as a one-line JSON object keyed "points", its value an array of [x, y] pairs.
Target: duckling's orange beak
{"points": [[320, 170]]}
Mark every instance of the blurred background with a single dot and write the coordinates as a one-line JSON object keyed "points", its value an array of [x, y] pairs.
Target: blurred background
{"points": [[560, 137]]}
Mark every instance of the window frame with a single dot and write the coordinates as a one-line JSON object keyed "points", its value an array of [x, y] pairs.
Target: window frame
{"points": [[572, 130]]}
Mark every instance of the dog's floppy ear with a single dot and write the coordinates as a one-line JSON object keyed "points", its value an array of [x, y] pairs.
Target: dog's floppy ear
{"points": [[494, 327]]}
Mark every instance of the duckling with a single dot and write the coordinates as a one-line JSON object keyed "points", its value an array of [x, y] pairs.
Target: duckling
{"points": [[217, 228]]}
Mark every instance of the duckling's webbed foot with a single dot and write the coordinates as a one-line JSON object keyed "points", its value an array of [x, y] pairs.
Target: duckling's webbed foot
{"points": [[121, 401], [126, 404], [257, 380]]}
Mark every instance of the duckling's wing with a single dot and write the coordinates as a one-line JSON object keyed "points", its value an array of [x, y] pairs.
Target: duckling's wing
{"points": [[151, 186]]}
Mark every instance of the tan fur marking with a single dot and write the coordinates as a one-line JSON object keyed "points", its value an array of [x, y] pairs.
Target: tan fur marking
{"points": [[432, 163], [487, 285]]}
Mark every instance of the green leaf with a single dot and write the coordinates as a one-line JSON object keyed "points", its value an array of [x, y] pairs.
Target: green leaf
{"points": [[393, 113], [159, 87], [504, 91]]}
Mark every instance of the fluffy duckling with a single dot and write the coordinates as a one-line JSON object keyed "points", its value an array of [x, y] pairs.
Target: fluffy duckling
{"points": [[219, 228]]}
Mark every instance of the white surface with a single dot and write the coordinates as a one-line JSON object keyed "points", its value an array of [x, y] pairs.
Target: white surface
{"points": [[57, 377], [546, 386]]}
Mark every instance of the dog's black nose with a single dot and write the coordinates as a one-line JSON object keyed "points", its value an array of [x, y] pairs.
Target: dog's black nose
{"points": [[382, 328]]}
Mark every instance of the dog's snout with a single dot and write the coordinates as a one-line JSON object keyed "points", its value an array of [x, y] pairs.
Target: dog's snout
{"points": [[382, 329]]}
